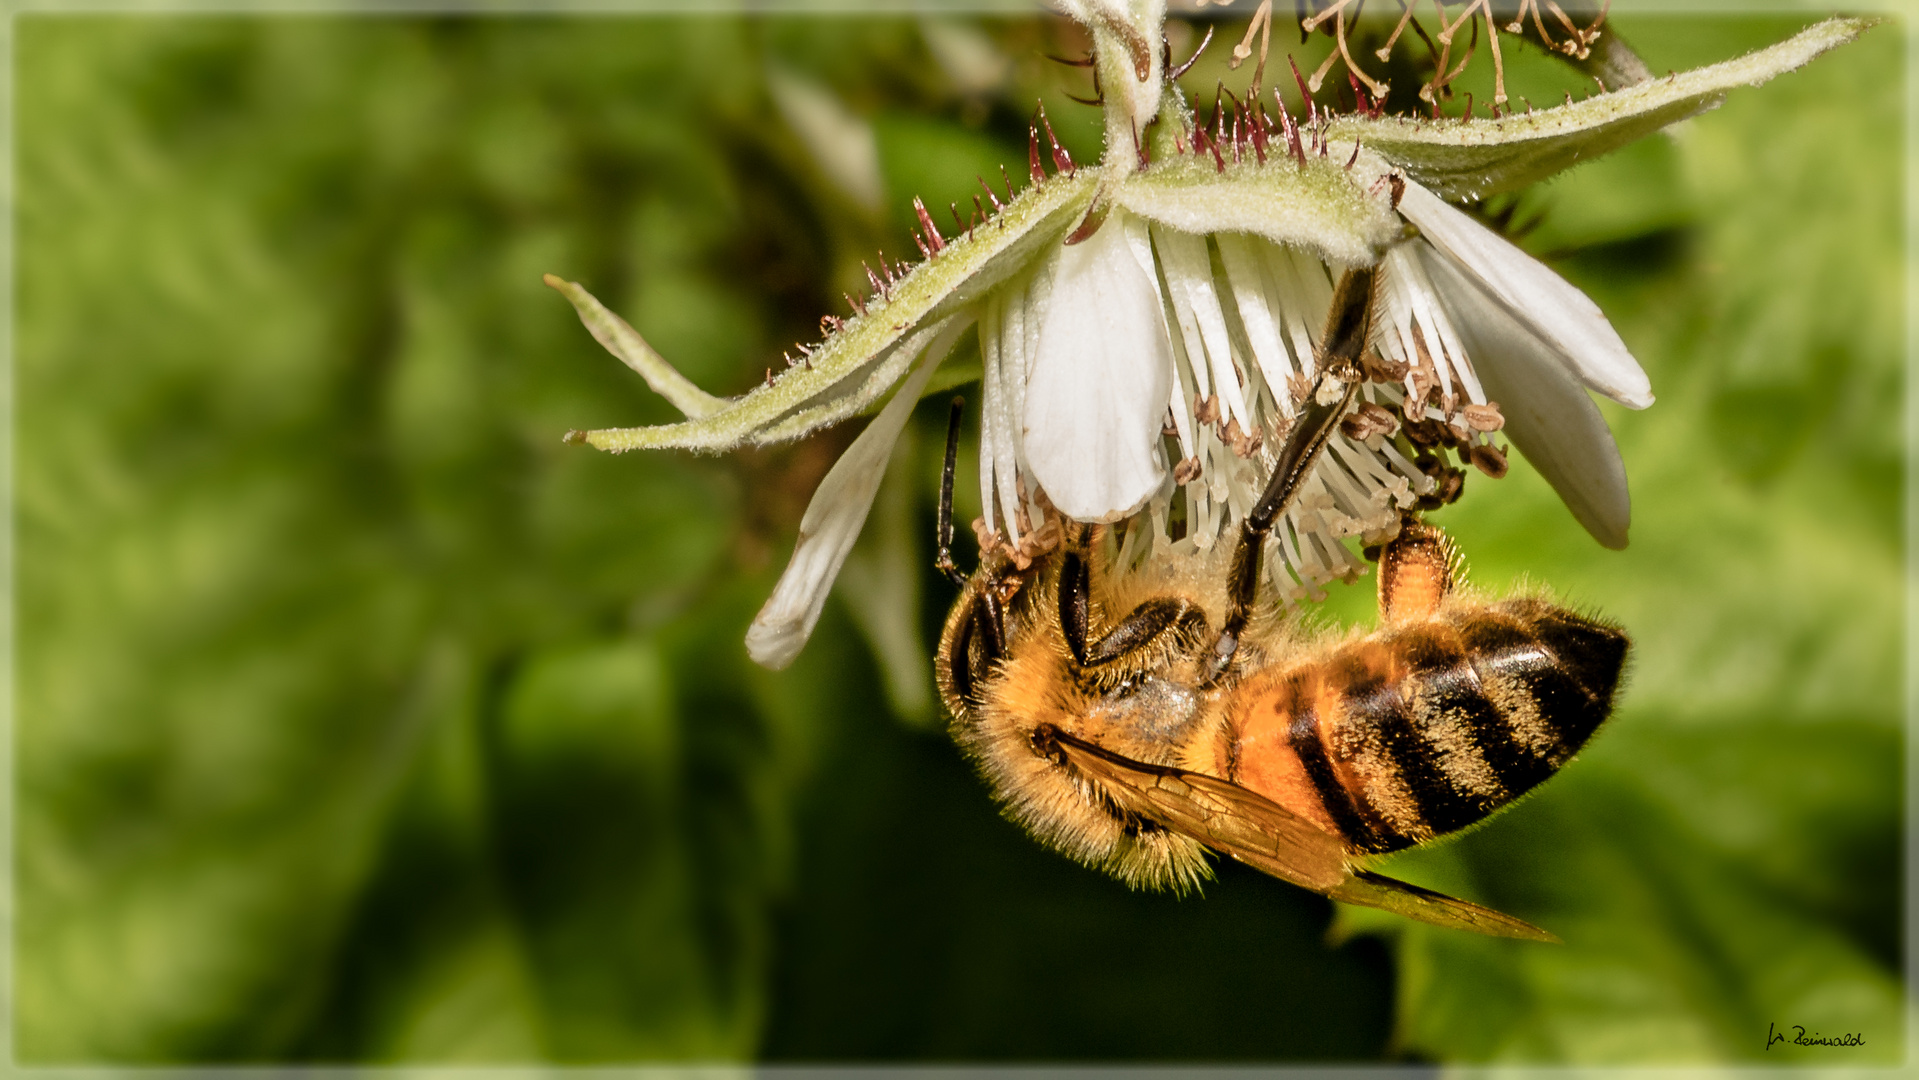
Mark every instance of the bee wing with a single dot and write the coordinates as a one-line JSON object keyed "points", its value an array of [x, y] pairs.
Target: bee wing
{"points": [[1221, 815], [1265, 835], [1402, 898]]}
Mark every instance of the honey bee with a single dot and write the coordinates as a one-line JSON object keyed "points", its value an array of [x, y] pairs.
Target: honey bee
{"points": [[1133, 717]]}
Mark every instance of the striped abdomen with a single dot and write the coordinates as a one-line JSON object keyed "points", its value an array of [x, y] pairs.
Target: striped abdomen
{"points": [[1428, 727]]}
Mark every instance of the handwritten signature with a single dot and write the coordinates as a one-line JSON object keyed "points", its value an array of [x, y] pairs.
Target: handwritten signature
{"points": [[1800, 1038]]}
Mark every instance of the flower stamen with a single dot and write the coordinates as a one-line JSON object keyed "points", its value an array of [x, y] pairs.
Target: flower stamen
{"points": [[1186, 324], [1262, 23]]}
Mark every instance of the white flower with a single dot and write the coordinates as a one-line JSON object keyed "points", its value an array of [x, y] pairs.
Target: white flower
{"points": [[1168, 302]]}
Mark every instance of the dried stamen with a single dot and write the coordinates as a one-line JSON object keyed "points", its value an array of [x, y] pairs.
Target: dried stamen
{"points": [[1262, 24]]}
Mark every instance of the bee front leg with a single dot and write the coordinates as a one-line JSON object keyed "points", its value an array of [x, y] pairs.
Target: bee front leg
{"points": [[1145, 627], [1416, 572], [1348, 327], [981, 635], [1075, 591]]}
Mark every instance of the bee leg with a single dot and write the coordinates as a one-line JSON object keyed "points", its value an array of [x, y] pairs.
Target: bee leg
{"points": [[1416, 571], [1347, 328], [1144, 626], [1138, 630], [977, 644], [1075, 602], [988, 621], [943, 527]]}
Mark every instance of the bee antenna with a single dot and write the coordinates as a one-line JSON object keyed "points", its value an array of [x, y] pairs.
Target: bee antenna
{"points": [[943, 527]]}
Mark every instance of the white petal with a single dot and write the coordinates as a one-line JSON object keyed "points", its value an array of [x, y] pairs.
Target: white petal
{"points": [[992, 396], [1139, 238], [1018, 337], [832, 522], [1097, 389], [1018, 366], [1548, 416], [1542, 301], [880, 587]]}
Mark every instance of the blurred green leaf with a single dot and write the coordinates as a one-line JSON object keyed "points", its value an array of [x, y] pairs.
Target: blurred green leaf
{"points": [[293, 509]]}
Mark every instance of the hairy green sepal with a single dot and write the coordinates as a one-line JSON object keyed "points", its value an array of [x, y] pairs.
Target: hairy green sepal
{"points": [[1472, 159], [1316, 207], [862, 359]]}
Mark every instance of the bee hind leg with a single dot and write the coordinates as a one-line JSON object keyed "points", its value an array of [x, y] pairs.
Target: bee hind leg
{"points": [[1417, 570], [1075, 591]]}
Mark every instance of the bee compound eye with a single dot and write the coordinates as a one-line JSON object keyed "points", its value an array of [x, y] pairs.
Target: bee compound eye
{"points": [[959, 658]]}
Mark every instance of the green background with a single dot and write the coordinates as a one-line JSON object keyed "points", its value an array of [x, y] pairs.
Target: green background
{"points": [[358, 719]]}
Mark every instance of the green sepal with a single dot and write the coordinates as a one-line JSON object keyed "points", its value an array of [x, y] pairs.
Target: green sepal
{"points": [[1472, 159], [1316, 207], [837, 380]]}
